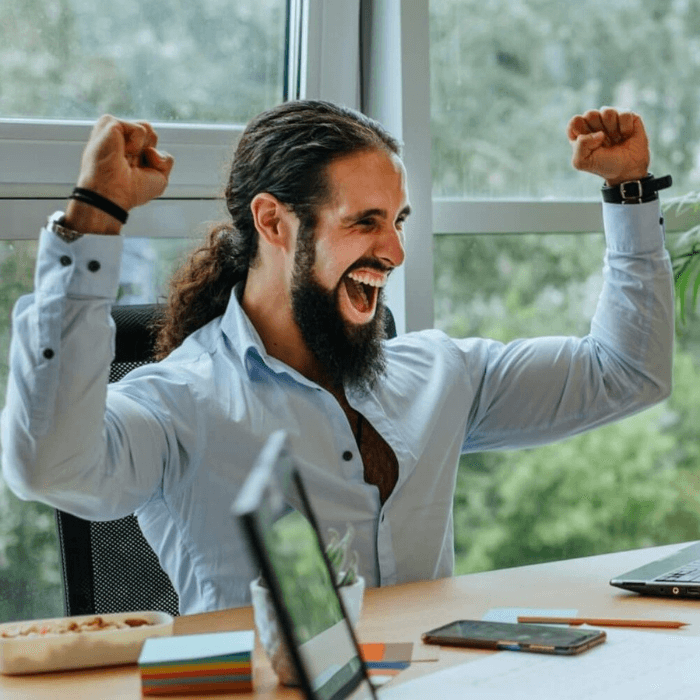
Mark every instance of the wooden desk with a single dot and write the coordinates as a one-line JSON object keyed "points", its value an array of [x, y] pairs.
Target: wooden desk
{"points": [[401, 613]]}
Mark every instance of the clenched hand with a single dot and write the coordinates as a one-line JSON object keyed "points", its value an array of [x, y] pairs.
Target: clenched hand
{"points": [[120, 162], [611, 144]]}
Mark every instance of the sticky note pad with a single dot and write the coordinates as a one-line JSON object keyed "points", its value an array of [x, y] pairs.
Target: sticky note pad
{"points": [[197, 663], [386, 659]]}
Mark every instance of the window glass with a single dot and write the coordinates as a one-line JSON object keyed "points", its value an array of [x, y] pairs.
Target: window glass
{"points": [[147, 265], [630, 484], [506, 76], [30, 577], [212, 61]]}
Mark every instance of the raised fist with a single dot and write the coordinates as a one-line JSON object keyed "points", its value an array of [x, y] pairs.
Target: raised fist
{"points": [[610, 143]]}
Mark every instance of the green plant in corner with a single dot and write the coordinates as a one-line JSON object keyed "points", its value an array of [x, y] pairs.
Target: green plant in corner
{"points": [[685, 256]]}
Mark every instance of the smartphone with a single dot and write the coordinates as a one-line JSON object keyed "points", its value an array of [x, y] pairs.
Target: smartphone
{"points": [[545, 639]]}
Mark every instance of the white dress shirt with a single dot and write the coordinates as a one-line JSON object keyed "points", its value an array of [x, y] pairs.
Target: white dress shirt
{"points": [[174, 441]]}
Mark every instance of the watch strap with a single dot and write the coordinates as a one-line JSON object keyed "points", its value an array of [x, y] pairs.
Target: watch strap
{"points": [[636, 191], [55, 225]]}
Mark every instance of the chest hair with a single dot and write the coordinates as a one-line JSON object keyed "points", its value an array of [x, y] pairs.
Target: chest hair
{"points": [[381, 468]]}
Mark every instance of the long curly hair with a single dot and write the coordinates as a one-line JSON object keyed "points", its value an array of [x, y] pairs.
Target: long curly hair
{"points": [[285, 152]]}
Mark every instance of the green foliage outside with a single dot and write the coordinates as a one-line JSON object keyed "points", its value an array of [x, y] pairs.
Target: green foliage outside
{"points": [[685, 253], [212, 61], [29, 568], [506, 76], [630, 484]]}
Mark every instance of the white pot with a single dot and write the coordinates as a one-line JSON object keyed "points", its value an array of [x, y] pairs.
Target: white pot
{"points": [[271, 635]]}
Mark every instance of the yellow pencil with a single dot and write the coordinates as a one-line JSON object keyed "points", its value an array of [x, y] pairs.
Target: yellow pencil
{"points": [[602, 622]]}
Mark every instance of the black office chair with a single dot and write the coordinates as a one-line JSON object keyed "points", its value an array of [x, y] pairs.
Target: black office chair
{"points": [[109, 566]]}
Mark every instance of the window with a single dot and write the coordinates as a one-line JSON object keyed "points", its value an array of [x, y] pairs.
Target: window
{"points": [[199, 71], [212, 61], [29, 569], [513, 248], [507, 75], [629, 484], [514, 255]]}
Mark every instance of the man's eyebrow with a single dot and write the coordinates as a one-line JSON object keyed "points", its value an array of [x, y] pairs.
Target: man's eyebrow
{"points": [[350, 218]]}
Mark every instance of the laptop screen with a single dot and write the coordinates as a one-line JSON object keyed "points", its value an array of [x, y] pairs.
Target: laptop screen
{"points": [[277, 516]]}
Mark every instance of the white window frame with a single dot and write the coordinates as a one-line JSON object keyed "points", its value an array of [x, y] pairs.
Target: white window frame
{"points": [[400, 98], [395, 89], [45, 158], [386, 74], [41, 160]]}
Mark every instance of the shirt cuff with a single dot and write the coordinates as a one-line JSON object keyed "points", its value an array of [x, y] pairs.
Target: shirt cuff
{"points": [[634, 228], [88, 267]]}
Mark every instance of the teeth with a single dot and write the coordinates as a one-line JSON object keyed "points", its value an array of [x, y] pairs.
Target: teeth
{"points": [[372, 280]]}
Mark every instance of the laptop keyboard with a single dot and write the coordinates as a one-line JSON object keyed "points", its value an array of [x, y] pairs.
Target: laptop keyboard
{"points": [[686, 573]]}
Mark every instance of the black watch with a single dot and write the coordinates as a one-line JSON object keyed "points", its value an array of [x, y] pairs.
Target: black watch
{"points": [[636, 191]]}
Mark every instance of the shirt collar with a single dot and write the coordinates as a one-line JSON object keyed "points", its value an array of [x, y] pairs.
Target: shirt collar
{"points": [[244, 340]]}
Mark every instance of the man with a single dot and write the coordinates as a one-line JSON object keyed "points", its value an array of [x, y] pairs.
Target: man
{"points": [[276, 322]]}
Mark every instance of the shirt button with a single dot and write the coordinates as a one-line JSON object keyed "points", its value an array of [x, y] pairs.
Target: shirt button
{"points": [[347, 455], [48, 353], [93, 266], [65, 260]]}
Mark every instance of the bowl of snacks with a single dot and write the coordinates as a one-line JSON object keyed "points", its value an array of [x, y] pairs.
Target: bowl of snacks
{"points": [[83, 641]]}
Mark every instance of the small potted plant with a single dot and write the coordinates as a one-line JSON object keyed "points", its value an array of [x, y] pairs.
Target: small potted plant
{"points": [[344, 563]]}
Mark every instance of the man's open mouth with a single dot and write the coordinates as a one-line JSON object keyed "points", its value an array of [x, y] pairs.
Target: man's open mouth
{"points": [[359, 292]]}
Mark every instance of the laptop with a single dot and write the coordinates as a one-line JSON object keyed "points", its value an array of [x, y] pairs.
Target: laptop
{"points": [[677, 575], [274, 511]]}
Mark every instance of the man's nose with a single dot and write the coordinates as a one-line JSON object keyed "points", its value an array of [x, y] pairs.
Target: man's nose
{"points": [[390, 248]]}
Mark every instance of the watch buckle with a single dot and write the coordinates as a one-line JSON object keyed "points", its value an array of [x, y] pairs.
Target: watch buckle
{"points": [[631, 198]]}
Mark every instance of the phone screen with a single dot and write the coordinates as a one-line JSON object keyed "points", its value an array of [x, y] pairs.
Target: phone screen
{"points": [[545, 639]]}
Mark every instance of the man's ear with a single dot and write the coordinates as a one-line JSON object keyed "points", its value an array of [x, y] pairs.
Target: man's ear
{"points": [[273, 220]]}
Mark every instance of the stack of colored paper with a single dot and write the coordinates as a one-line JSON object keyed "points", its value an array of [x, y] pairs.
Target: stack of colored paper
{"points": [[384, 661], [197, 663]]}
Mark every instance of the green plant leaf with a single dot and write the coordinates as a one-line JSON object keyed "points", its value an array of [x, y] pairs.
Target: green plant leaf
{"points": [[682, 281], [696, 288]]}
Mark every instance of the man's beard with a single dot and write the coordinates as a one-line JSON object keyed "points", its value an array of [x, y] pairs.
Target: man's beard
{"points": [[350, 355]]}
